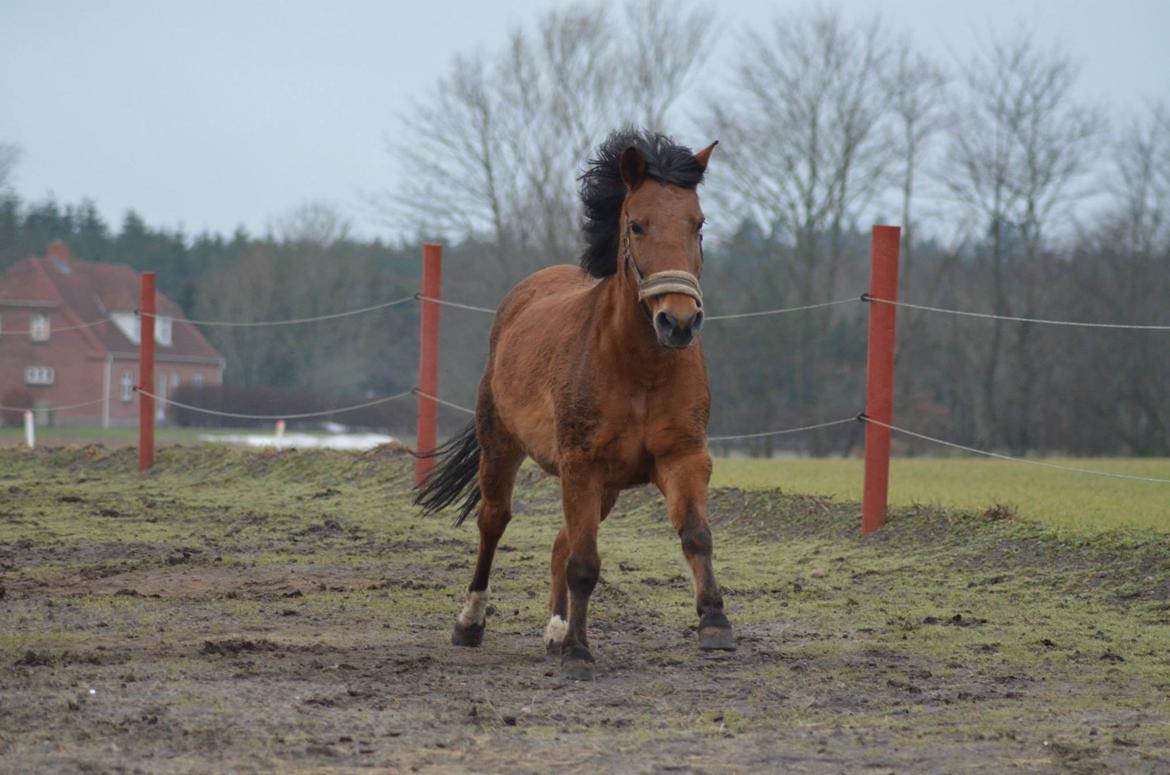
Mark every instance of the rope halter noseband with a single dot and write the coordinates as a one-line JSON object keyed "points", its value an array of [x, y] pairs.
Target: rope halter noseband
{"points": [[664, 282]]}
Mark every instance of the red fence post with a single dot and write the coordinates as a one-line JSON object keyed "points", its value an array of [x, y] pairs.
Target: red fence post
{"points": [[428, 359], [146, 308], [879, 387]]}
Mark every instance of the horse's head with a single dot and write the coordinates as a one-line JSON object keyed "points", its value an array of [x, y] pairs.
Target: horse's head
{"points": [[661, 242]]}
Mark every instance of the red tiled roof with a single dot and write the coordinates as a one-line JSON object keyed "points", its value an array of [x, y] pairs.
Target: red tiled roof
{"points": [[92, 291]]}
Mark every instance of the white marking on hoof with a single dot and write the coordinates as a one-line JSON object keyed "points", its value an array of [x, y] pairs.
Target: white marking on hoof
{"points": [[474, 609], [555, 632]]}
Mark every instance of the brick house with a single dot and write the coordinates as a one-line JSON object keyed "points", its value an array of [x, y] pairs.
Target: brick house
{"points": [[44, 366]]}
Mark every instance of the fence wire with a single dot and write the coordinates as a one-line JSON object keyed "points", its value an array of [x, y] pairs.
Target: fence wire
{"points": [[783, 310], [288, 322], [56, 329], [456, 304], [1011, 458], [64, 408], [299, 416], [829, 424], [441, 402], [1016, 319]]}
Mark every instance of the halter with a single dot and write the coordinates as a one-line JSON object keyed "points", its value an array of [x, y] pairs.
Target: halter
{"points": [[664, 282]]}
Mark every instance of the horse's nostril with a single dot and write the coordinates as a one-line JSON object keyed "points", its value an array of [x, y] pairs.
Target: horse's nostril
{"points": [[697, 322], [665, 322]]}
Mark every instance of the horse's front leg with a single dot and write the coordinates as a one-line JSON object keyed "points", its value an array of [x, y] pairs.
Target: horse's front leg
{"points": [[582, 497], [683, 480]]}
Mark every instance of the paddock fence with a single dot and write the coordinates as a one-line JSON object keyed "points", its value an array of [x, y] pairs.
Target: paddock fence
{"points": [[877, 414]]}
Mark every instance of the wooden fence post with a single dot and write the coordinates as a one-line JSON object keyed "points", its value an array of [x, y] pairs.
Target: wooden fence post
{"points": [[147, 310], [428, 359], [879, 386]]}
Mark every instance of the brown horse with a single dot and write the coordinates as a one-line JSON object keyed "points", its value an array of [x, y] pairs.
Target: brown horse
{"points": [[598, 376]]}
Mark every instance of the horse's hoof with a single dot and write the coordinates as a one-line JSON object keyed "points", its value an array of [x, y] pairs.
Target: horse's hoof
{"points": [[716, 639], [715, 633], [467, 636], [552, 652], [577, 664]]}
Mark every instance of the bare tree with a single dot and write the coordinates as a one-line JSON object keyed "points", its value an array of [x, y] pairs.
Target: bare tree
{"points": [[670, 42], [1018, 145], [314, 223], [916, 88], [492, 154], [1125, 276], [1141, 184], [806, 151]]}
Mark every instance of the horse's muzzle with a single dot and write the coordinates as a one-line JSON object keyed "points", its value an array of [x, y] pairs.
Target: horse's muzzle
{"points": [[675, 333]]}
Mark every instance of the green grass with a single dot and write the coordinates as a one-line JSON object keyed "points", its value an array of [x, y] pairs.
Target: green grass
{"points": [[1062, 499]]}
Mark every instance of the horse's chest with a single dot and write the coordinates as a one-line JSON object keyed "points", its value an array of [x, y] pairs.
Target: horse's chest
{"points": [[619, 441]]}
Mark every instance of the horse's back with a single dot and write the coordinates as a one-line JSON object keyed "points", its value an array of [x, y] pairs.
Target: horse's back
{"points": [[548, 287]]}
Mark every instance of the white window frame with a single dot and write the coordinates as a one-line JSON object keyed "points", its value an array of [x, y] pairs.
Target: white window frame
{"points": [[197, 380], [39, 327], [39, 375], [163, 330], [127, 386]]}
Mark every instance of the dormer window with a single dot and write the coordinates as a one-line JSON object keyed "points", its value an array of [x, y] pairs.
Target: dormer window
{"points": [[38, 327]]}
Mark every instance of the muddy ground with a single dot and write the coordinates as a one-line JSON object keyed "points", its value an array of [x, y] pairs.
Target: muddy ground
{"points": [[260, 611]]}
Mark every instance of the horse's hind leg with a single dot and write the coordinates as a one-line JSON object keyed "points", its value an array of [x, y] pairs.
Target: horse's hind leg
{"points": [[558, 602], [499, 461]]}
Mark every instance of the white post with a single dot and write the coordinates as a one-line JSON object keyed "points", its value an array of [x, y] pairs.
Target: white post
{"points": [[30, 437], [279, 432]]}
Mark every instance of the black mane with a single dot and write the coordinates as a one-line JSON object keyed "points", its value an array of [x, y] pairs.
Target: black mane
{"points": [[602, 189]]}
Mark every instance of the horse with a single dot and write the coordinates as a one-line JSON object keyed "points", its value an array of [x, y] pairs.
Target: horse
{"points": [[597, 374]]}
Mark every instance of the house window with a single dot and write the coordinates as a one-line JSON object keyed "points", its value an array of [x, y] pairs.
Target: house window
{"points": [[38, 375], [174, 382], [127, 385], [162, 330], [38, 327], [197, 380]]}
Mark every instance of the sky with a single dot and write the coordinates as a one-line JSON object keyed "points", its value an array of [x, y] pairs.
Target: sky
{"points": [[206, 115]]}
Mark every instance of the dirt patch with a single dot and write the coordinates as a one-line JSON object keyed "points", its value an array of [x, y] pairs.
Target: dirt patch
{"points": [[261, 612]]}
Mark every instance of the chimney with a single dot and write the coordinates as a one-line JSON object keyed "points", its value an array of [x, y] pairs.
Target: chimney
{"points": [[58, 255]]}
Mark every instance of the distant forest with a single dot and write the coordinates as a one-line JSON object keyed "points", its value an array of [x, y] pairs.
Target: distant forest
{"points": [[1015, 198]]}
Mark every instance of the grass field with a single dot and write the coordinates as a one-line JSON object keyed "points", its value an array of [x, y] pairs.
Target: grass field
{"points": [[260, 611], [1062, 499]]}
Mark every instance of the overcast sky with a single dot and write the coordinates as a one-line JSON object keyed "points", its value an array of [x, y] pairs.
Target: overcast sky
{"points": [[207, 114]]}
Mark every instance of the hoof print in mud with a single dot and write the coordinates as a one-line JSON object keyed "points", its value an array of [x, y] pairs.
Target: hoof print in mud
{"points": [[577, 664], [471, 636]]}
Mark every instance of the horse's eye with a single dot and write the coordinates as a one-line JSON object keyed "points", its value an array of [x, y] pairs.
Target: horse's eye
{"points": [[699, 228], [636, 228]]}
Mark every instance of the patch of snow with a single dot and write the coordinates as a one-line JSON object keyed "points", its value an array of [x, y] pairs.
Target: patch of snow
{"points": [[356, 441]]}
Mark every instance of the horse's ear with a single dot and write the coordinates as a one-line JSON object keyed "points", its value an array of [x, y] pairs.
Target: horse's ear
{"points": [[632, 167], [703, 156]]}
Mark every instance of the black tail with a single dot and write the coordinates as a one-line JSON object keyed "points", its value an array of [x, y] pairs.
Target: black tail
{"points": [[456, 477]]}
